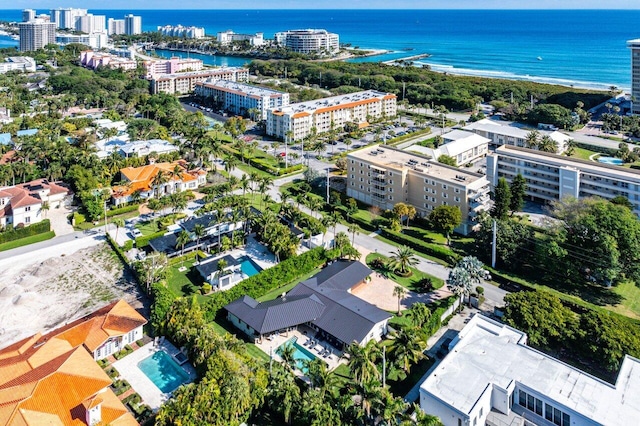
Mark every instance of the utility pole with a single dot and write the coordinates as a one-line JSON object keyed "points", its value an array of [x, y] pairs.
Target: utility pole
{"points": [[105, 217], [403, 90], [327, 185], [493, 243], [384, 367]]}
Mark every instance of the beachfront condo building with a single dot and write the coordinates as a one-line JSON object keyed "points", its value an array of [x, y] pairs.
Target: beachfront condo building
{"points": [[309, 41], [36, 34], [296, 121], [552, 177], [464, 147], [501, 134], [174, 65], [132, 24], [185, 82], [242, 98], [90, 23], [382, 176], [28, 15], [93, 40], [115, 26], [227, 37], [634, 45], [492, 377], [180, 31], [66, 18]]}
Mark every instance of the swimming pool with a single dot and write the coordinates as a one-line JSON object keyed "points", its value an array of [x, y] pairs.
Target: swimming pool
{"points": [[611, 160], [248, 266], [301, 355], [163, 371]]}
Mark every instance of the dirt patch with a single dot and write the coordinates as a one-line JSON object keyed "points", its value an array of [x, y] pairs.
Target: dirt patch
{"points": [[50, 292]]}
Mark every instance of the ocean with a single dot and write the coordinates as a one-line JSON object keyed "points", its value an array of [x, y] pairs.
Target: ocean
{"points": [[585, 48]]}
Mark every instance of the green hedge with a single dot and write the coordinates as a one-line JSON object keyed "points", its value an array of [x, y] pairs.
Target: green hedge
{"points": [[269, 279], [118, 250], [12, 234], [264, 165], [144, 240], [122, 210], [434, 250]]}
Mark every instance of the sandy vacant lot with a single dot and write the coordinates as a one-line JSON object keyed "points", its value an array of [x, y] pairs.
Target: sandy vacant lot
{"points": [[48, 288]]}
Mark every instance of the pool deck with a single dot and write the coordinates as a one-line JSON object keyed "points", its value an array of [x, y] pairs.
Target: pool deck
{"points": [[149, 392], [270, 347]]}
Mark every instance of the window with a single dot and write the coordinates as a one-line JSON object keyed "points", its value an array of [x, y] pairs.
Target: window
{"points": [[27, 209], [27, 219], [445, 195], [456, 199], [444, 186], [480, 414], [457, 190], [390, 197], [390, 189]]}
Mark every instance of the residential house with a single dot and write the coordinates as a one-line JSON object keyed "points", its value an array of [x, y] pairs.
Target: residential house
{"points": [[323, 302], [222, 272], [143, 180], [54, 379], [491, 377], [22, 204]]}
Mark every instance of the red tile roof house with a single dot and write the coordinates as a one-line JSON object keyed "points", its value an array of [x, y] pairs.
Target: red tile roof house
{"points": [[22, 204]]}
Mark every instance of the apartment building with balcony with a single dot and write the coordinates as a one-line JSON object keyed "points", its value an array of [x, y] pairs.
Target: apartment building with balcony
{"points": [[330, 113], [185, 82], [383, 176], [551, 177], [171, 66], [309, 41], [240, 98], [228, 37]]}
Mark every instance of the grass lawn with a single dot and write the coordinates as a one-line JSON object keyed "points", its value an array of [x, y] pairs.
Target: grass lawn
{"points": [[425, 256], [89, 225], [27, 240], [273, 294], [630, 305], [402, 387], [582, 153], [185, 283], [407, 282]]}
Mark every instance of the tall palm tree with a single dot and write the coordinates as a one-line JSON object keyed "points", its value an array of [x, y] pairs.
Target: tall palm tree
{"points": [[403, 259], [362, 361], [408, 347], [199, 231], [532, 140], [230, 163], [175, 174], [353, 229], [287, 354], [45, 208], [119, 223], [547, 144], [399, 292], [158, 180], [182, 239]]}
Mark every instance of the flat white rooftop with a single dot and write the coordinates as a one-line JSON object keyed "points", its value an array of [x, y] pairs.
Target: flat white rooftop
{"points": [[313, 106], [391, 158], [461, 141], [241, 88], [208, 71], [489, 353], [487, 125]]}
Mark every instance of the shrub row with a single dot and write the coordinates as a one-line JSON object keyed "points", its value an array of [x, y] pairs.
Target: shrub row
{"points": [[364, 224], [269, 279], [264, 165], [399, 139], [118, 250], [12, 234], [144, 240], [122, 210], [434, 250]]}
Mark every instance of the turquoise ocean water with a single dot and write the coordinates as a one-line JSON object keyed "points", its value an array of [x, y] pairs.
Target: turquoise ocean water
{"points": [[586, 47]]}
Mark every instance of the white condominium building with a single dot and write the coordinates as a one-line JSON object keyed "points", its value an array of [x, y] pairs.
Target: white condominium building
{"points": [[91, 23], [634, 45], [329, 113], [18, 63], [28, 15], [36, 34], [171, 66], [491, 377], [93, 40], [464, 147], [240, 98], [383, 176], [180, 31], [552, 177], [501, 134], [132, 24], [226, 37], [115, 26], [309, 41], [185, 82], [66, 17]]}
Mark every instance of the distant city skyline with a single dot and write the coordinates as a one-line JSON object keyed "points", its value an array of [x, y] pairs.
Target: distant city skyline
{"points": [[323, 4]]}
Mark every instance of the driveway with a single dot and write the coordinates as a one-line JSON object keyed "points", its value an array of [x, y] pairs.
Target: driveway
{"points": [[59, 222]]}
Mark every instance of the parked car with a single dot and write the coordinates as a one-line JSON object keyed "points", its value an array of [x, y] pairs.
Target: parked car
{"points": [[136, 233]]}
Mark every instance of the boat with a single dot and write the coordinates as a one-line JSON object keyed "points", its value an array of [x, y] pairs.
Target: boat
{"points": [[539, 58], [407, 49]]}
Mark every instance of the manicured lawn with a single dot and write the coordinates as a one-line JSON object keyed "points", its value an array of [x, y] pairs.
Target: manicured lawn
{"points": [[27, 240], [89, 225], [273, 294], [425, 256], [185, 283], [630, 305], [582, 153], [402, 388], [407, 282]]}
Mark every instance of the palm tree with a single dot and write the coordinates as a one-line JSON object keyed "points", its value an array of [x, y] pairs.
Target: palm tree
{"points": [[287, 354], [421, 418], [547, 144], [119, 223], [399, 292], [159, 180], [199, 231], [175, 174], [467, 273], [402, 260], [532, 139], [362, 361], [45, 208], [408, 347], [353, 229], [283, 391], [230, 163], [182, 239]]}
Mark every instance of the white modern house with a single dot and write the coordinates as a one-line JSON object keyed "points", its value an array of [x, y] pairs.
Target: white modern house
{"points": [[221, 272], [465, 147], [22, 204], [491, 377]]}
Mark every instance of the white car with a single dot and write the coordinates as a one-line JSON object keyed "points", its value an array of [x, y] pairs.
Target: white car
{"points": [[136, 233]]}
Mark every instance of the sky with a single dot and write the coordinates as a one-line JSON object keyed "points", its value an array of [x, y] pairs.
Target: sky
{"points": [[322, 4]]}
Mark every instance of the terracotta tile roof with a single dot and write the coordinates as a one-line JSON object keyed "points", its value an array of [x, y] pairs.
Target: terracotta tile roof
{"points": [[53, 379], [27, 194], [141, 178]]}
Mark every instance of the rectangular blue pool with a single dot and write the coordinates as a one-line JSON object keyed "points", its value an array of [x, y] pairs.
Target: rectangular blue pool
{"points": [[248, 266], [163, 371], [301, 354]]}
